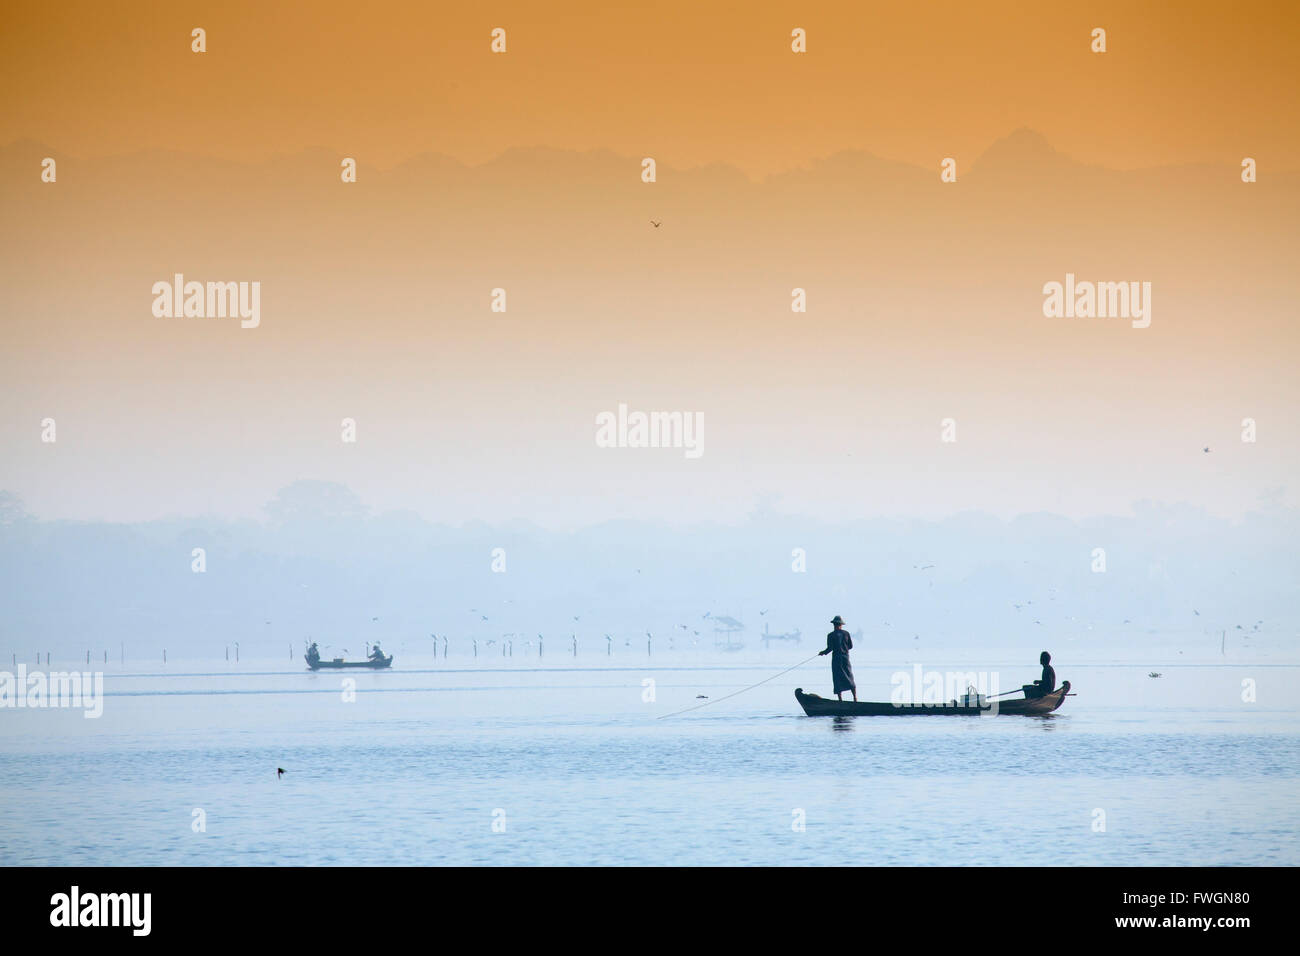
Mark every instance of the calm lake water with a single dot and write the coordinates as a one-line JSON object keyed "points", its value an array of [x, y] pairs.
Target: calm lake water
{"points": [[574, 768]]}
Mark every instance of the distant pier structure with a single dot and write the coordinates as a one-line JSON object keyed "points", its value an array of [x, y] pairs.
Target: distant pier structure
{"points": [[725, 630]]}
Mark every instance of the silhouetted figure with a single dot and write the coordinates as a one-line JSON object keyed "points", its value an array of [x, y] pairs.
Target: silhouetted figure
{"points": [[838, 645], [1047, 683], [376, 654], [313, 655]]}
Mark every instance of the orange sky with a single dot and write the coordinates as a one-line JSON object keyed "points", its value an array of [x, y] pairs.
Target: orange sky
{"points": [[691, 83], [924, 298]]}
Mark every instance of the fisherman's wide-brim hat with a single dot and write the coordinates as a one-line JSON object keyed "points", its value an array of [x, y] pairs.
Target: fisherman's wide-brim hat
{"points": [[837, 619]]}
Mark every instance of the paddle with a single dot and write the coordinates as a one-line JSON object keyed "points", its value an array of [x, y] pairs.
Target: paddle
{"points": [[1018, 690], [1005, 692]]}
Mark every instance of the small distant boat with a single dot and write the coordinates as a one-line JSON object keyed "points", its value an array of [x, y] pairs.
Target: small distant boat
{"points": [[379, 663], [768, 637], [815, 706]]}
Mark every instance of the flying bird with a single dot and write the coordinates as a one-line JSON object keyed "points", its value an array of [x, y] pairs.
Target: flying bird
{"points": [[1206, 449], [656, 224], [279, 772]]}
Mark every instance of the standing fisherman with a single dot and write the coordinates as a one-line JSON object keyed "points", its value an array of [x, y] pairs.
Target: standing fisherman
{"points": [[838, 644]]}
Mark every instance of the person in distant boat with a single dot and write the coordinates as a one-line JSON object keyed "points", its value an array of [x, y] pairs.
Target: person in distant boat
{"points": [[838, 644], [312, 653], [376, 654], [1047, 683]]}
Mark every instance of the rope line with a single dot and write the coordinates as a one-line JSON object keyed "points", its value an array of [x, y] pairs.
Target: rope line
{"points": [[734, 693]]}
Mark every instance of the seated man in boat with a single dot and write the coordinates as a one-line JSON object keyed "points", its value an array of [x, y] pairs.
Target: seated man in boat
{"points": [[1047, 683], [312, 653], [376, 654]]}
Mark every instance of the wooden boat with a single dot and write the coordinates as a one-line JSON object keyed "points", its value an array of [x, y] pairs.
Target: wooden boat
{"points": [[815, 706], [316, 663]]}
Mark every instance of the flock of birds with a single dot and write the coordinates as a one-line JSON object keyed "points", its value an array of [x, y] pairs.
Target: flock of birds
{"points": [[762, 612]]}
